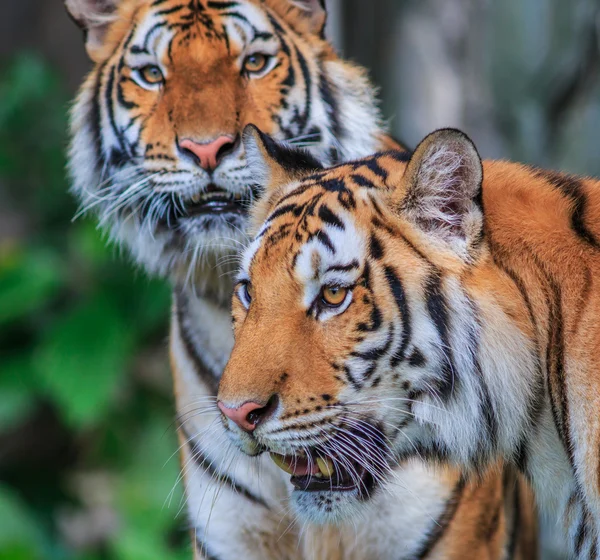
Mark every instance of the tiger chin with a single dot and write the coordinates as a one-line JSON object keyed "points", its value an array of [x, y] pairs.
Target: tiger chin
{"points": [[156, 152], [426, 304]]}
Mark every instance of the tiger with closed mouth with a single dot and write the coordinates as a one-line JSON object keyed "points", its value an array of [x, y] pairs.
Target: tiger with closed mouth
{"points": [[156, 156], [425, 304]]}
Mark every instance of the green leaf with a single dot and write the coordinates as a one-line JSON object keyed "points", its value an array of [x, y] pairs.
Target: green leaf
{"points": [[19, 536], [149, 492], [17, 387], [83, 360], [28, 280], [148, 509]]}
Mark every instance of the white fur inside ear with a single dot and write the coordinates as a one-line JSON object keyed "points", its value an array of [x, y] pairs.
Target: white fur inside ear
{"points": [[310, 6], [94, 16], [442, 199], [92, 13], [257, 165]]}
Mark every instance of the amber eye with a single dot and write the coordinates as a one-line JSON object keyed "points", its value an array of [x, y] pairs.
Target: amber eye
{"points": [[334, 296], [151, 74], [255, 63]]}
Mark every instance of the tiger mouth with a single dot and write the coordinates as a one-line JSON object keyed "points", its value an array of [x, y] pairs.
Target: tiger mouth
{"points": [[215, 201], [339, 466], [325, 474], [212, 201]]}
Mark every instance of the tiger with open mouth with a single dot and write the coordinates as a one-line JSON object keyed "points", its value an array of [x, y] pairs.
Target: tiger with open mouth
{"points": [[424, 305], [156, 155]]}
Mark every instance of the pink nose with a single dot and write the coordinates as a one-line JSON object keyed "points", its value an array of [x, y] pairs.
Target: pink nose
{"points": [[246, 416], [209, 154]]}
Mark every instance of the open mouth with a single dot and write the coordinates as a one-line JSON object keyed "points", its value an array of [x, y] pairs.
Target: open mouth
{"points": [[319, 469], [323, 474]]}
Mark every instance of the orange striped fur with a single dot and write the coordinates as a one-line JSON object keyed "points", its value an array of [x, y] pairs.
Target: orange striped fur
{"points": [[422, 305], [129, 166]]}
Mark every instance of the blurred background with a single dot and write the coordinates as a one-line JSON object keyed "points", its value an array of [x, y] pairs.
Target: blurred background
{"points": [[88, 461]]}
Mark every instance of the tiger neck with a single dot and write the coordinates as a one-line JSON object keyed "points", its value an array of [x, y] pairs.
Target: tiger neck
{"points": [[504, 352]]}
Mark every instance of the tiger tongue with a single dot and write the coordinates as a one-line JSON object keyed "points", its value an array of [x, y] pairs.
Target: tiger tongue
{"points": [[296, 466]]}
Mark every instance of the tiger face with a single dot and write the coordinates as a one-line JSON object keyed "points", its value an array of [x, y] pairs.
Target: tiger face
{"points": [[342, 363], [156, 149]]}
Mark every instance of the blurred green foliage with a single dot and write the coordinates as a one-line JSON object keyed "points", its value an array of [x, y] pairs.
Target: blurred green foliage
{"points": [[87, 442]]}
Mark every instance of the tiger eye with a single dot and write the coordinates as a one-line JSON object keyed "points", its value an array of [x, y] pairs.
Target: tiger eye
{"points": [[334, 295], [255, 63], [249, 291], [151, 74]]}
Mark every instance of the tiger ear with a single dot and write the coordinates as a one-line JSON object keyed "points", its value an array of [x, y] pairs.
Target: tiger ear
{"points": [[94, 17], [440, 191], [273, 167], [305, 16]]}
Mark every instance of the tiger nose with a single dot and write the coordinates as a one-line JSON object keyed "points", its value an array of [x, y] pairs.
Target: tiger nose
{"points": [[209, 154], [250, 414]]}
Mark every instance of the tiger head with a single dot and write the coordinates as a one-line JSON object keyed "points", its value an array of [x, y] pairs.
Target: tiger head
{"points": [[156, 149], [342, 314]]}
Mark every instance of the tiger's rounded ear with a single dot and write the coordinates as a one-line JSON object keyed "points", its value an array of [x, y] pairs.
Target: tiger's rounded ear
{"points": [[94, 17], [305, 16], [440, 192], [273, 167]]}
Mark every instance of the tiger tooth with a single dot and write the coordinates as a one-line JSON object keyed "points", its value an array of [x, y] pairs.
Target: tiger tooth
{"points": [[278, 460], [325, 466], [196, 198]]}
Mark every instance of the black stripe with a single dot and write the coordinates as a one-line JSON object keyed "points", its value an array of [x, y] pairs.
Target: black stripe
{"points": [[331, 105], [295, 209], [438, 311], [395, 285], [117, 156], [121, 96], [324, 239], [328, 217], [200, 367], [378, 352], [536, 401], [240, 17], [171, 10], [373, 165], [572, 188], [416, 358], [513, 538], [399, 156], [362, 181], [556, 368], [375, 248], [293, 160], [488, 413], [149, 33], [375, 319], [222, 5], [344, 194], [208, 468], [351, 379], [353, 265], [303, 119], [440, 525]]}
